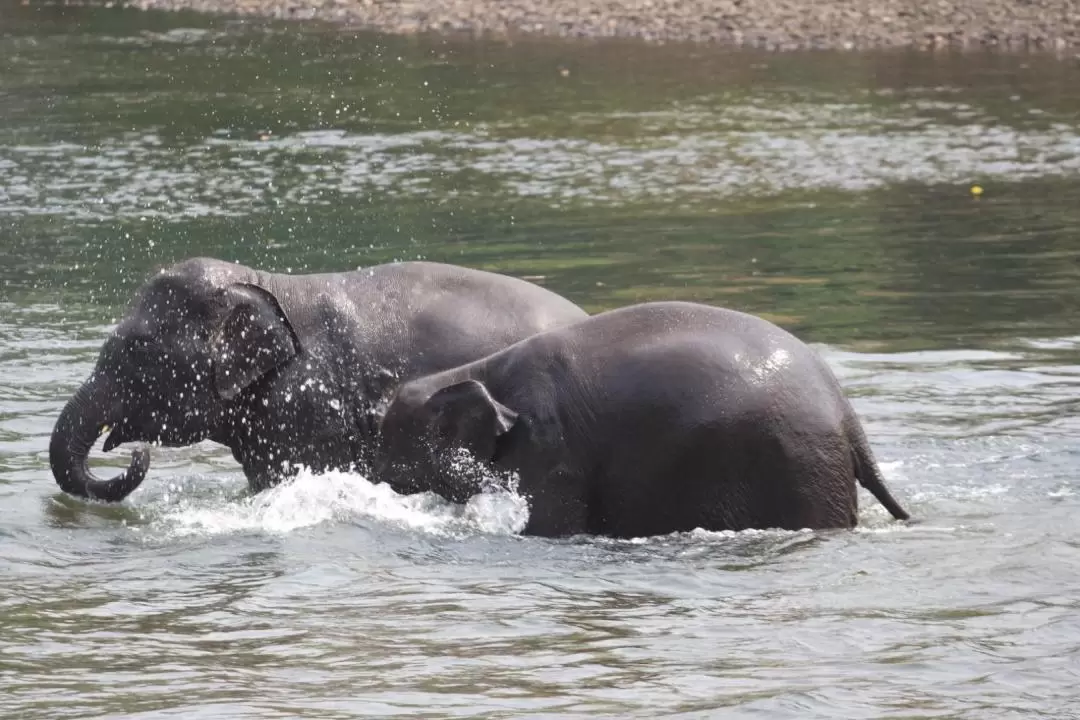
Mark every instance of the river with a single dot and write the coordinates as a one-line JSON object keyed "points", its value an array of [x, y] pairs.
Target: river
{"points": [[829, 192]]}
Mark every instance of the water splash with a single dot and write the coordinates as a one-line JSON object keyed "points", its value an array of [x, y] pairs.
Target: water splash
{"points": [[312, 499]]}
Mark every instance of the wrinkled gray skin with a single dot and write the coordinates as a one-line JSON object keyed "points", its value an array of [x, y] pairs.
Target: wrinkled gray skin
{"points": [[285, 370], [647, 420]]}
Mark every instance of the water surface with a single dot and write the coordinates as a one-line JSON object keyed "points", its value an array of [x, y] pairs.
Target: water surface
{"points": [[828, 192]]}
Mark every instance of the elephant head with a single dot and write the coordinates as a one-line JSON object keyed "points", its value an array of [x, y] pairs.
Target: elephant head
{"points": [[421, 429], [197, 336]]}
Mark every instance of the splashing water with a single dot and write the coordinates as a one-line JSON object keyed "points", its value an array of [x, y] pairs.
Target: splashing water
{"points": [[336, 496]]}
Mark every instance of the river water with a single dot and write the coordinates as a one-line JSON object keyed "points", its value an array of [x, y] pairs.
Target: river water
{"points": [[828, 192]]}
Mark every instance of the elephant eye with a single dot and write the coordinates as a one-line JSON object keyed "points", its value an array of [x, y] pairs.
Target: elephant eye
{"points": [[143, 345]]}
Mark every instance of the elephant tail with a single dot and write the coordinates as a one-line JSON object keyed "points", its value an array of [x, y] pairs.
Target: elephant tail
{"points": [[868, 473]]}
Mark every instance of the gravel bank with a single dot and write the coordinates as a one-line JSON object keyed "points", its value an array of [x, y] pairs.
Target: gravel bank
{"points": [[776, 24]]}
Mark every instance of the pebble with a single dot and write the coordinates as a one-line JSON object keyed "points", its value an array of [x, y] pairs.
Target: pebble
{"points": [[774, 24]]}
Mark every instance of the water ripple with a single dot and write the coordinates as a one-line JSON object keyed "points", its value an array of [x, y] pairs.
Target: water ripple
{"points": [[692, 156]]}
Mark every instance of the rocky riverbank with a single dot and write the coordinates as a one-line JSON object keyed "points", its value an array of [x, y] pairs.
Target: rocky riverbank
{"points": [[776, 24]]}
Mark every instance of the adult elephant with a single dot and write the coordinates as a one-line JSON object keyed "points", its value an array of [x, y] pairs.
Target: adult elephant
{"points": [[646, 420], [285, 370]]}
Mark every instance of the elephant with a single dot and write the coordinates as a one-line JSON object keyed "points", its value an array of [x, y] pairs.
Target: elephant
{"points": [[645, 420], [284, 370]]}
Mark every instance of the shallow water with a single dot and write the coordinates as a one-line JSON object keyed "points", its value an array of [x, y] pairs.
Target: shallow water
{"points": [[829, 192]]}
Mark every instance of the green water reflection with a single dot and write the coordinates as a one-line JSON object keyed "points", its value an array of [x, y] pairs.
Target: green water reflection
{"points": [[827, 191]]}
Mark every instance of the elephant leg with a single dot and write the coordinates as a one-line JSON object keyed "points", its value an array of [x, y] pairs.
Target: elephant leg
{"points": [[815, 481], [559, 506]]}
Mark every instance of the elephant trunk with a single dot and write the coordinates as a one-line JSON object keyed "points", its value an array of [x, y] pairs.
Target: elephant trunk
{"points": [[79, 426]]}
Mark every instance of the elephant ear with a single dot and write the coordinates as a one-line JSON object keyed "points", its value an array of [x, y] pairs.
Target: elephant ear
{"points": [[466, 415], [254, 338]]}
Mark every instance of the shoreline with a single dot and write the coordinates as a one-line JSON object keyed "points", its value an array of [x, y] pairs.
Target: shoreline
{"points": [[1041, 25]]}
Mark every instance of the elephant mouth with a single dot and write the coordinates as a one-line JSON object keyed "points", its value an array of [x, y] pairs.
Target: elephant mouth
{"points": [[121, 433], [125, 431], [81, 423]]}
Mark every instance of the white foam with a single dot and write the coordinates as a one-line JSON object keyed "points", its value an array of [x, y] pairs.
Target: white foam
{"points": [[930, 493], [891, 469], [899, 527], [311, 499], [342, 497]]}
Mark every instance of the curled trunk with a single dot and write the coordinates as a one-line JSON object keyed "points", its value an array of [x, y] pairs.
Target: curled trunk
{"points": [[79, 426]]}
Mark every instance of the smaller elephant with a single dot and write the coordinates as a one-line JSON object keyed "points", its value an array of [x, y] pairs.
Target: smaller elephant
{"points": [[647, 420]]}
